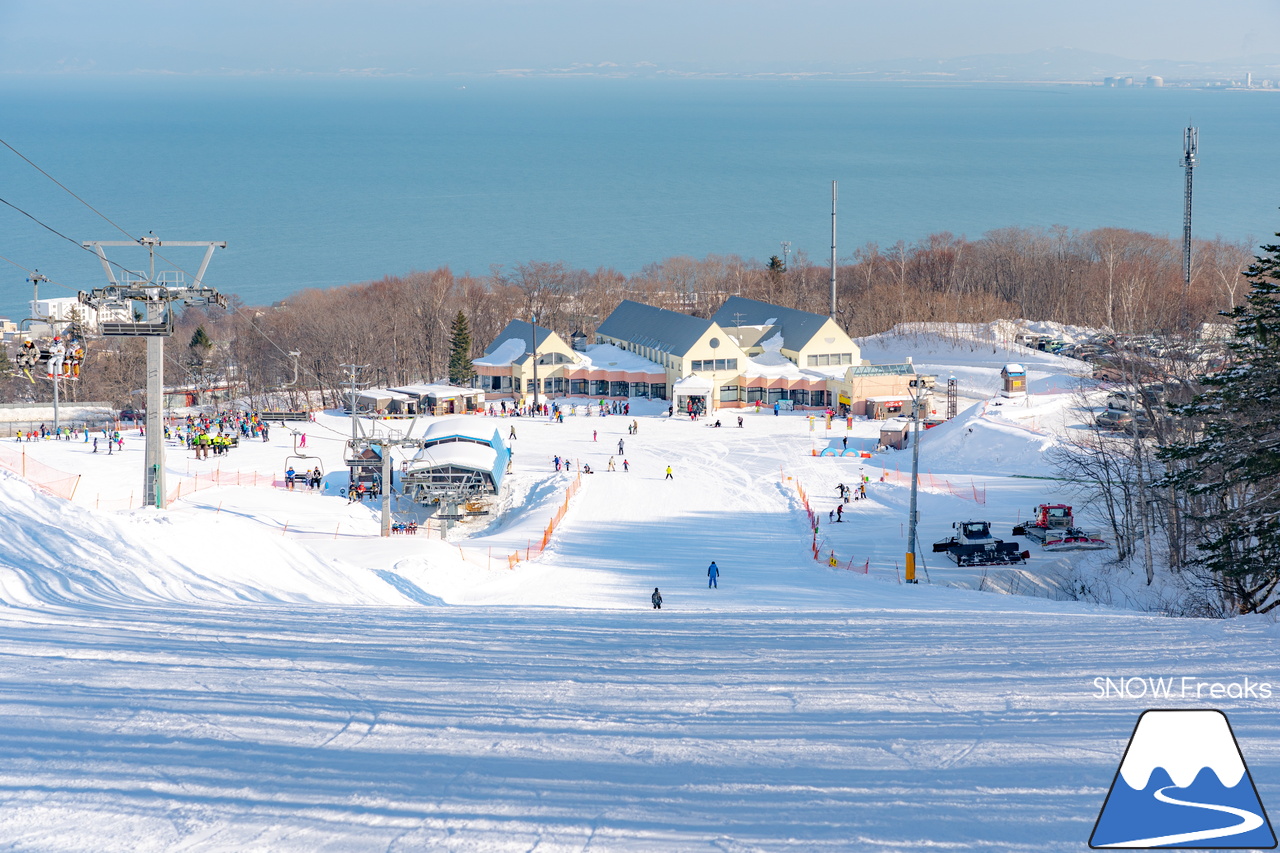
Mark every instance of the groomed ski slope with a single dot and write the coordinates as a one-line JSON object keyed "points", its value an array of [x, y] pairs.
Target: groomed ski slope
{"points": [[255, 670]]}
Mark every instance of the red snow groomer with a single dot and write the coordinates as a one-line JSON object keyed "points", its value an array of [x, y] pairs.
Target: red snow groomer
{"points": [[973, 545], [1054, 528]]}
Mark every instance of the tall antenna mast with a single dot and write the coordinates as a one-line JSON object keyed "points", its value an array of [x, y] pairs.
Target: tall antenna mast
{"points": [[1190, 144], [833, 250]]}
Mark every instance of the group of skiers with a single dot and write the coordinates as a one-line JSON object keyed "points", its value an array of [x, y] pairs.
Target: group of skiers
{"points": [[359, 490], [713, 578], [115, 441], [311, 479], [62, 358], [845, 493]]}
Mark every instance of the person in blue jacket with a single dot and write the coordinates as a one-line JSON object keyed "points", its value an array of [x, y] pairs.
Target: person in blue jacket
{"points": [[713, 572]]}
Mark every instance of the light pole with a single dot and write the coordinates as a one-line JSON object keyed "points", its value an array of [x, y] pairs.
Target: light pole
{"points": [[917, 389]]}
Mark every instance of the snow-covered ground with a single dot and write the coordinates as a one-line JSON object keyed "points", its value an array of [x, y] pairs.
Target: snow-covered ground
{"points": [[254, 669]]}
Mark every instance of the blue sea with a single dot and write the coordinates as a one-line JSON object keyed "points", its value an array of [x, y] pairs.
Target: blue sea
{"points": [[317, 183]]}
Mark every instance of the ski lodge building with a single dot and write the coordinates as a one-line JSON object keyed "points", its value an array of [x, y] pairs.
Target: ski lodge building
{"points": [[746, 354]]}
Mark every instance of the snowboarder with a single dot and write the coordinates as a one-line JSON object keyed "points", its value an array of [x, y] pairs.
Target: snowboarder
{"points": [[713, 572], [656, 598], [668, 477]]}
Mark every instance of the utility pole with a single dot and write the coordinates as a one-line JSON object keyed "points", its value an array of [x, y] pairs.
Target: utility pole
{"points": [[833, 250], [353, 370], [533, 337], [35, 280], [147, 303]]}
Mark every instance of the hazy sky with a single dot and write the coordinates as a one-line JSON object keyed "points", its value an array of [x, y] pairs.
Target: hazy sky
{"points": [[462, 36]]}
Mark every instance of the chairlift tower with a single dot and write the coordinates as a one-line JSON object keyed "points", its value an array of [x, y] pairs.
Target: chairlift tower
{"points": [[141, 305], [1190, 147]]}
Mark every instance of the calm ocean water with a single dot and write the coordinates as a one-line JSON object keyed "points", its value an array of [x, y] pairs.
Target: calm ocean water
{"points": [[315, 184]]}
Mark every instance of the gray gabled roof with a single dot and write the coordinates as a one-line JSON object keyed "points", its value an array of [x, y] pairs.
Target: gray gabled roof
{"points": [[647, 326], [798, 327], [521, 329]]}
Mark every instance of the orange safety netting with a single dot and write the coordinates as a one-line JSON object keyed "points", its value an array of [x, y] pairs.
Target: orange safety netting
{"points": [[48, 479], [534, 549], [189, 485], [823, 554]]}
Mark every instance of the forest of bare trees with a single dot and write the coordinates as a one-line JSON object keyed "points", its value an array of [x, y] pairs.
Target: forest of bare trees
{"points": [[1127, 281]]}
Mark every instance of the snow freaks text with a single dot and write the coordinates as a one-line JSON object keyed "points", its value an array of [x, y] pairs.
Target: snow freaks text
{"points": [[1179, 687]]}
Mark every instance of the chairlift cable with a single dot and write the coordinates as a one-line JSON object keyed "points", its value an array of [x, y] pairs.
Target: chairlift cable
{"points": [[238, 311], [64, 186]]}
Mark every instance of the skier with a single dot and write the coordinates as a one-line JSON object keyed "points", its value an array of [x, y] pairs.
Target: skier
{"points": [[626, 466], [668, 477], [611, 465], [713, 572], [57, 352], [619, 447], [840, 513], [288, 478], [656, 598], [593, 435]]}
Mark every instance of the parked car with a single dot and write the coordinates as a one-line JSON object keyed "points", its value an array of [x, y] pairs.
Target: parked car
{"points": [[1113, 419], [1124, 401]]}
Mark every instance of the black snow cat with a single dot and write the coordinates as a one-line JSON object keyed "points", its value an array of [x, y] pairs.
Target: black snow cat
{"points": [[973, 545]]}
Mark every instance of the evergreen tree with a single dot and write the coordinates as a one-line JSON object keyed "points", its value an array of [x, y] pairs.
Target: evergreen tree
{"points": [[200, 346], [460, 369], [1228, 477]]}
